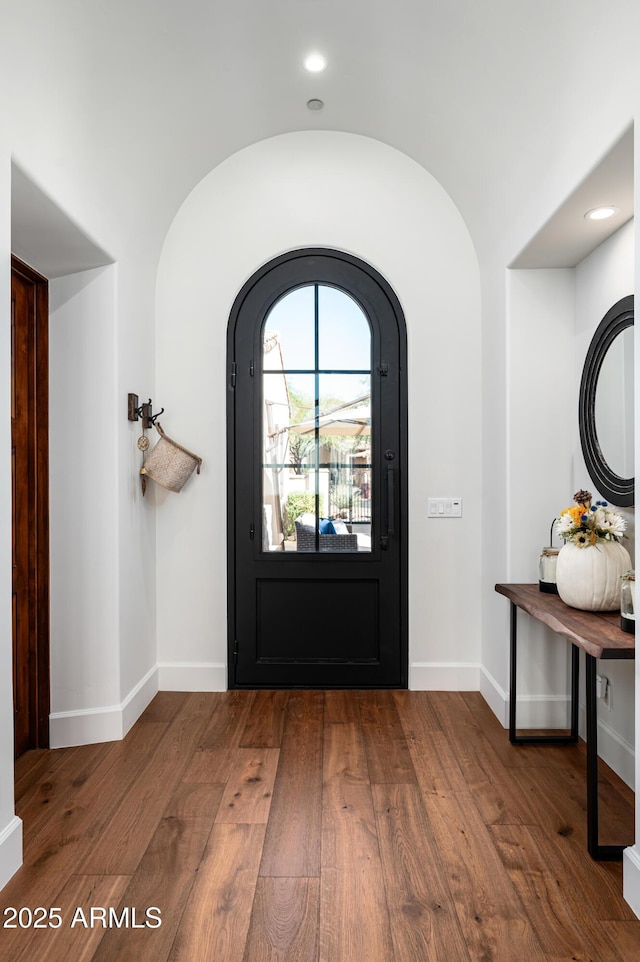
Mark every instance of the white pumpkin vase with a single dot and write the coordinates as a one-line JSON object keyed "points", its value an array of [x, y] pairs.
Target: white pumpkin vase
{"points": [[589, 578]]}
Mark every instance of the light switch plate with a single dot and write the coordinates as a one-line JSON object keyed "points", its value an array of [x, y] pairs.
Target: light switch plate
{"points": [[444, 507]]}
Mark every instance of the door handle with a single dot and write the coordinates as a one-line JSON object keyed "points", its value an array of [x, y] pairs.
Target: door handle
{"points": [[391, 499]]}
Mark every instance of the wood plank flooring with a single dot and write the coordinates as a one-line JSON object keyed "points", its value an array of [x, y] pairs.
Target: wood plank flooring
{"points": [[310, 826]]}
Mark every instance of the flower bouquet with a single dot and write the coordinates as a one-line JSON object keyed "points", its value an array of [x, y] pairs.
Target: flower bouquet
{"points": [[586, 524]]}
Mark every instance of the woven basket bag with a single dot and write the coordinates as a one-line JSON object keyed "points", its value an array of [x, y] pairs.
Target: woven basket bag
{"points": [[169, 464]]}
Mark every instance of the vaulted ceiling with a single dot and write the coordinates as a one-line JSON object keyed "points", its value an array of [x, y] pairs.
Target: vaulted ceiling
{"points": [[482, 94]]}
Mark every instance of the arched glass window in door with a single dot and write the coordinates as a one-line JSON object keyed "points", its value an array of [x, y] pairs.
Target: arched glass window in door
{"points": [[316, 431]]}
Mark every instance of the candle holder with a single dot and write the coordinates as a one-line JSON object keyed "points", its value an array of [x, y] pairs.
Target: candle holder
{"points": [[628, 602], [547, 566], [547, 570]]}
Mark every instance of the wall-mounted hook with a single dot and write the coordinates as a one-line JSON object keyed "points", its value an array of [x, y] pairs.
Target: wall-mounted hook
{"points": [[144, 411], [147, 415]]}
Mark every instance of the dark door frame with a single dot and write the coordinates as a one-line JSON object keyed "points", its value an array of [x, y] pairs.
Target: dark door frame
{"points": [[231, 447], [38, 506]]}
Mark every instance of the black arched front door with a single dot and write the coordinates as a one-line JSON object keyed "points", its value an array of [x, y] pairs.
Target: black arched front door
{"points": [[317, 504]]}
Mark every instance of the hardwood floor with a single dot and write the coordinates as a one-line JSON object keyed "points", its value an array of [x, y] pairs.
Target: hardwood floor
{"points": [[317, 827]]}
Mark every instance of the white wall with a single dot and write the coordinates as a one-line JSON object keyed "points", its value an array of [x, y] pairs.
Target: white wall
{"points": [[603, 278], [10, 826], [85, 662], [103, 657], [631, 872], [540, 416], [552, 316], [103, 673], [83, 474], [354, 194]]}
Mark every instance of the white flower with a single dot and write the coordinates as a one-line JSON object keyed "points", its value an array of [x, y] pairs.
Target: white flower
{"points": [[614, 523], [600, 518], [564, 524]]}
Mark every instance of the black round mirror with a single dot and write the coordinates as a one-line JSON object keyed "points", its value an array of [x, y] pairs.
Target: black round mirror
{"points": [[606, 406]]}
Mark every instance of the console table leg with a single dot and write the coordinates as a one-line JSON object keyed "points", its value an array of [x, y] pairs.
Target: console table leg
{"points": [[575, 702], [513, 661], [513, 693], [596, 851]]}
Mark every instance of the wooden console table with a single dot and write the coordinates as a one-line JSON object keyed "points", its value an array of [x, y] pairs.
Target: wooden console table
{"points": [[599, 635]]}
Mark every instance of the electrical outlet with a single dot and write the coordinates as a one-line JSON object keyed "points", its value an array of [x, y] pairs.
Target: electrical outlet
{"points": [[601, 686], [603, 691]]}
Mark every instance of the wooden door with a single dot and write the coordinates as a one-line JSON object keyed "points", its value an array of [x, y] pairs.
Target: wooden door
{"points": [[317, 484], [29, 478]]}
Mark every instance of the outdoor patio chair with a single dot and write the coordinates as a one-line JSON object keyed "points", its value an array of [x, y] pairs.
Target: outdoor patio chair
{"points": [[306, 537]]}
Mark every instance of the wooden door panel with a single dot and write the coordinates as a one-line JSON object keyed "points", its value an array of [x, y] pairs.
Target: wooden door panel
{"points": [[22, 301], [29, 474]]}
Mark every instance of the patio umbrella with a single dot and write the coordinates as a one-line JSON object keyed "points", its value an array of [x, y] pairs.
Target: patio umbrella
{"points": [[352, 422]]}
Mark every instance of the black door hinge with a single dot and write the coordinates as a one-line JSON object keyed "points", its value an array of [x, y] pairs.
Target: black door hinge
{"points": [[234, 373], [384, 369], [252, 530], [251, 368], [235, 652]]}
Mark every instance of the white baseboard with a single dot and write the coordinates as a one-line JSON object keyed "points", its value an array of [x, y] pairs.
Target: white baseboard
{"points": [[192, 676], [10, 850], [107, 724], [495, 696], [444, 676], [112, 722], [614, 750], [543, 711], [631, 877], [552, 711], [138, 699]]}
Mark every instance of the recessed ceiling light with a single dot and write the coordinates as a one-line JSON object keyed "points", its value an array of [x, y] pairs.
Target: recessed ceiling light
{"points": [[315, 104], [601, 213], [315, 63]]}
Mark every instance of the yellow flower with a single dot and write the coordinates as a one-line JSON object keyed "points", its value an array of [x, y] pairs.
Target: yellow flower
{"points": [[584, 539]]}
